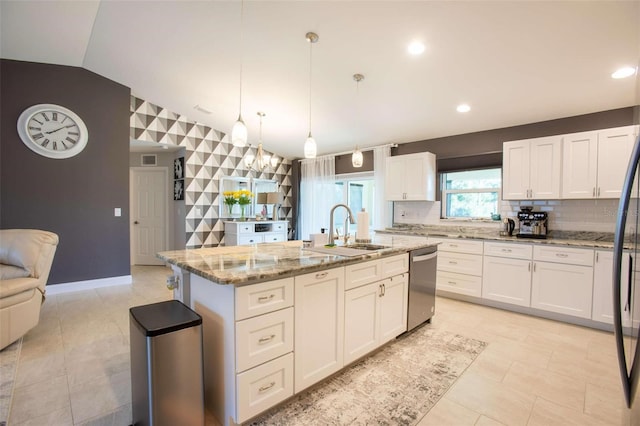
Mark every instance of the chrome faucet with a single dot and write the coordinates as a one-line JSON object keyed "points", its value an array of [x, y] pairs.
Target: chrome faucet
{"points": [[350, 217]]}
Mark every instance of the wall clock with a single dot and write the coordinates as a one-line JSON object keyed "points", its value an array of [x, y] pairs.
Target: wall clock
{"points": [[52, 131]]}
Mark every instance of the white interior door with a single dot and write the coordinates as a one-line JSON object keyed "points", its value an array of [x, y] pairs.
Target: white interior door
{"points": [[148, 215]]}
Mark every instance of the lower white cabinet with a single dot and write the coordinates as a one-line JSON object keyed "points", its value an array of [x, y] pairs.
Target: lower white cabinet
{"points": [[507, 280], [460, 267], [375, 313], [264, 386], [254, 232], [319, 326], [562, 288], [603, 288]]}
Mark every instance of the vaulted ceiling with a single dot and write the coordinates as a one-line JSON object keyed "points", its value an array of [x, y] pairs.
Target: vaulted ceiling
{"points": [[513, 62]]}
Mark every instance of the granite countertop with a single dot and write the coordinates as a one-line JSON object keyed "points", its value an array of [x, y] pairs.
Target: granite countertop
{"points": [[239, 265], [565, 238]]}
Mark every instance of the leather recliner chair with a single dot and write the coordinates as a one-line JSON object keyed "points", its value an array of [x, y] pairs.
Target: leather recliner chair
{"points": [[26, 256]]}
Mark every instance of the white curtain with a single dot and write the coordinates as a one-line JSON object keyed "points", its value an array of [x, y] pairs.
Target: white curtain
{"points": [[383, 209], [317, 193]]}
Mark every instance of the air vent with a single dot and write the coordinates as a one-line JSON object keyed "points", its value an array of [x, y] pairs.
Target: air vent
{"points": [[149, 160]]}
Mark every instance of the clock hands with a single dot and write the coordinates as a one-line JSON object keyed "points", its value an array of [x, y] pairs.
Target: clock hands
{"points": [[60, 128]]}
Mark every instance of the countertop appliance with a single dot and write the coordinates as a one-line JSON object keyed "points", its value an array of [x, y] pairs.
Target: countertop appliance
{"points": [[532, 224], [422, 286], [508, 226], [625, 291]]}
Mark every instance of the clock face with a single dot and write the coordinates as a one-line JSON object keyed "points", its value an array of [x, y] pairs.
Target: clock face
{"points": [[52, 131]]}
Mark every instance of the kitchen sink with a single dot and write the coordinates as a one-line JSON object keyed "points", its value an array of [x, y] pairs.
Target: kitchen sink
{"points": [[366, 246], [348, 250]]}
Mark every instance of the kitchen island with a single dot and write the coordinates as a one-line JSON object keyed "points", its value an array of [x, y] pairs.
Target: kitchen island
{"points": [[278, 317]]}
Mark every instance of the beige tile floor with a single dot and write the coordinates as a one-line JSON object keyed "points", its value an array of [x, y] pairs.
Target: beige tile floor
{"points": [[74, 366]]}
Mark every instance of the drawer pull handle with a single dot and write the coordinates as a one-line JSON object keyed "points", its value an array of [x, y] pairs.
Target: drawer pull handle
{"points": [[453, 262], [321, 275], [453, 245], [506, 250], [266, 387], [562, 255], [263, 299], [266, 339], [452, 282]]}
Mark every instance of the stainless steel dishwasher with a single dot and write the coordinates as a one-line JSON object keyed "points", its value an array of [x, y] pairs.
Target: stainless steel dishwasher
{"points": [[422, 285]]}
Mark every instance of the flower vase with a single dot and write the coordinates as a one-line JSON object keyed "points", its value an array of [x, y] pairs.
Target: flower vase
{"points": [[230, 207], [242, 206]]}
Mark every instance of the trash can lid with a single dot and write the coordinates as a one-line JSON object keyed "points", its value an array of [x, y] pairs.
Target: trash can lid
{"points": [[164, 317]]}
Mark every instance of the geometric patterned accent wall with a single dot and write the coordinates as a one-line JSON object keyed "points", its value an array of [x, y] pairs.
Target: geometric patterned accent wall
{"points": [[207, 159]]}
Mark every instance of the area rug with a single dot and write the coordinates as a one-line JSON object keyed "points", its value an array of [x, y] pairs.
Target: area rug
{"points": [[398, 385], [8, 365]]}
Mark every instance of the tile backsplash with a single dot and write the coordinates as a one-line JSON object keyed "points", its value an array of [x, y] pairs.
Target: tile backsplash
{"points": [[564, 215]]}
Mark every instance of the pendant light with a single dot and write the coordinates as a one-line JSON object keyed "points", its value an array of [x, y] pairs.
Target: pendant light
{"points": [[310, 147], [356, 157], [239, 130], [261, 160]]}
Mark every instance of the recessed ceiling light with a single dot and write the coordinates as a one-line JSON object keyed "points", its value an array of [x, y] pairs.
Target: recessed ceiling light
{"points": [[624, 72], [463, 108], [416, 48]]}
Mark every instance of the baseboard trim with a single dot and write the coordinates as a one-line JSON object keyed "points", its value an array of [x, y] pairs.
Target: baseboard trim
{"points": [[88, 284]]}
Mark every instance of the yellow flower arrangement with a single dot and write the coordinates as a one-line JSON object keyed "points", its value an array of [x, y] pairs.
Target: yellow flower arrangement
{"points": [[242, 197]]}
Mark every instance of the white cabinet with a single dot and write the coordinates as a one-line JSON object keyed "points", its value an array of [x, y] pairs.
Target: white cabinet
{"points": [[459, 267], [254, 232], [319, 326], [603, 288], [374, 314], [375, 304], [564, 284], [594, 163], [531, 169], [507, 273], [411, 177]]}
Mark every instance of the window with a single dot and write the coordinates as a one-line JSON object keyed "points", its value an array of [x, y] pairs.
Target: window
{"points": [[470, 194], [357, 192]]}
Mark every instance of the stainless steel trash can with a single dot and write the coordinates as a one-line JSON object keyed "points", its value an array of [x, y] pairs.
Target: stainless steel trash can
{"points": [[167, 385]]}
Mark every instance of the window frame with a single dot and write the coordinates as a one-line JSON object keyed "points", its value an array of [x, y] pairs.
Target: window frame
{"points": [[445, 192]]}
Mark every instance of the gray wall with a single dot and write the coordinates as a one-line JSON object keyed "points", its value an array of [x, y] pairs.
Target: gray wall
{"points": [[74, 197]]}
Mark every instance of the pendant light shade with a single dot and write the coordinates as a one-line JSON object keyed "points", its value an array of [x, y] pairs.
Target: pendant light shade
{"points": [[239, 133], [310, 147], [356, 158]]}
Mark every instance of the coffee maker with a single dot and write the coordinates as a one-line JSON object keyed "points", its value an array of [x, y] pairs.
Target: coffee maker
{"points": [[532, 224]]}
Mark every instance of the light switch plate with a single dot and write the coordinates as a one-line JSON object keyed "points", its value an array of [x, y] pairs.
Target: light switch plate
{"points": [[117, 212]]}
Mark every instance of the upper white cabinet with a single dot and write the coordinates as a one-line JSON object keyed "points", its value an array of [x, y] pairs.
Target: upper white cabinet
{"points": [[411, 177], [531, 169], [594, 163]]}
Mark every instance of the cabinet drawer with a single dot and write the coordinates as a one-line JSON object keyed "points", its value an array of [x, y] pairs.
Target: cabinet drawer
{"points": [[461, 246], [459, 283], [362, 273], [395, 265], [246, 228], [460, 263], [515, 251], [258, 299], [274, 238], [573, 256], [263, 338], [263, 387], [250, 239], [279, 227]]}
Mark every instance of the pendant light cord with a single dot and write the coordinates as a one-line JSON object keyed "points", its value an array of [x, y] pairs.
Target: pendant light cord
{"points": [[241, 51], [310, 79]]}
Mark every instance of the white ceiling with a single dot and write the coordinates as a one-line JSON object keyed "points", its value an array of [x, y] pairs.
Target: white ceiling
{"points": [[513, 62]]}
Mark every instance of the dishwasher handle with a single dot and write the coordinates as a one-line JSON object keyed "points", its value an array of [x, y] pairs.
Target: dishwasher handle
{"points": [[424, 257]]}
